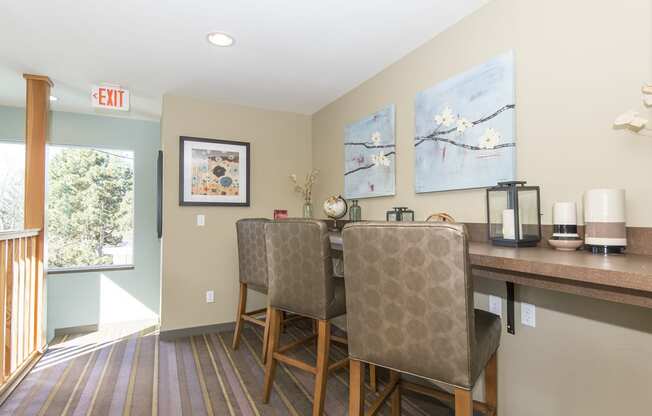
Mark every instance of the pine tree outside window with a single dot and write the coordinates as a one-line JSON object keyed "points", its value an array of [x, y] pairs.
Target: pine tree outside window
{"points": [[90, 208]]}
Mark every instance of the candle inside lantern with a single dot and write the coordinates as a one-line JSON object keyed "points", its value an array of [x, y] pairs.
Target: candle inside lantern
{"points": [[508, 225]]}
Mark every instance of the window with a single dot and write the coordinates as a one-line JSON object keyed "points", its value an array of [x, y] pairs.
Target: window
{"points": [[90, 207], [12, 179]]}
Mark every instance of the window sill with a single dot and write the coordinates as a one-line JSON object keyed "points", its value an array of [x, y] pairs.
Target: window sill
{"points": [[87, 269]]}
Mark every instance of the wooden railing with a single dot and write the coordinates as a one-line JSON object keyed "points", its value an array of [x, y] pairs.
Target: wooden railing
{"points": [[21, 282]]}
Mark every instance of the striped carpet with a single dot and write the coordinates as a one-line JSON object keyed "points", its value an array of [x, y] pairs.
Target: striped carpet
{"points": [[132, 372]]}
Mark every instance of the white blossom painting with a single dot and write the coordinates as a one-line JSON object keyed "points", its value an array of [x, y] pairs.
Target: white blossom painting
{"points": [[370, 156], [465, 132]]}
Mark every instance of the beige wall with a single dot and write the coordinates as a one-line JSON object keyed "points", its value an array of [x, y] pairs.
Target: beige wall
{"points": [[197, 259], [579, 64]]}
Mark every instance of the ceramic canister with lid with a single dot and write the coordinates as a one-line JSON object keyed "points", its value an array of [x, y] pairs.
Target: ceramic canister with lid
{"points": [[604, 220], [564, 221]]}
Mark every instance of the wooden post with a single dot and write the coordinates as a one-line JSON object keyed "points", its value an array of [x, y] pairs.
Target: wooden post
{"points": [[37, 111], [356, 388]]}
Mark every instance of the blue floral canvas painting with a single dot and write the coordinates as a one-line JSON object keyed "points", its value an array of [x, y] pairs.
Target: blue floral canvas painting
{"points": [[370, 156], [465, 132]]}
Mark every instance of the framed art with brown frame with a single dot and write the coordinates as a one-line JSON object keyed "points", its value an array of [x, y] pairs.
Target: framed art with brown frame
{"points": [[213, 172]]}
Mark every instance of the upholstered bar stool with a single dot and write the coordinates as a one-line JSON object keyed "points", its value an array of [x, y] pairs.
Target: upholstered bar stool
{"points": [[301, 282], [410, 309], [252, 261]]}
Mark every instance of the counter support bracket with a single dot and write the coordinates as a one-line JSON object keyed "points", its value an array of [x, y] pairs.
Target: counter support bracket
{"points": [[511, 328]]}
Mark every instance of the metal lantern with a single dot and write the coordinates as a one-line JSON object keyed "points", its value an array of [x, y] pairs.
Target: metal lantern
{"points": [[400, 214], [514, 214]]}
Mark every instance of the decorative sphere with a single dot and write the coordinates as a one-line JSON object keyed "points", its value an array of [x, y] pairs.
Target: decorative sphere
{"points": [[335, 207]]}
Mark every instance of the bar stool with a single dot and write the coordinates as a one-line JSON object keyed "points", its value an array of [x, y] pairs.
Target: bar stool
{"points": [[301, 282], [410, 309], [252, 260]]}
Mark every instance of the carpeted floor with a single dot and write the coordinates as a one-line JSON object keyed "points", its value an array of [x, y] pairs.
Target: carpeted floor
{"points": [[127, 371]]}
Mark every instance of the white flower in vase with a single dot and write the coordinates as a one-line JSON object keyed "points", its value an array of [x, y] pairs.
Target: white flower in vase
{"points": [[489, 139]]}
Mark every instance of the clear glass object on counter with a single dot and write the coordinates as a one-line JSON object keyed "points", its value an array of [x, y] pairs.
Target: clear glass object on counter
{"points": [[355, 211], [514, 214]]}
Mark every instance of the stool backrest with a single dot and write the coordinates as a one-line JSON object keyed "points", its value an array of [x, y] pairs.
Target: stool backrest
{"points": [[300, 266], [252, 255], [409, 298]]}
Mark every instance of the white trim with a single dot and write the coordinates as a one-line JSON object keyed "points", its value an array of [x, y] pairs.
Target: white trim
{"points": [[87, 269]]}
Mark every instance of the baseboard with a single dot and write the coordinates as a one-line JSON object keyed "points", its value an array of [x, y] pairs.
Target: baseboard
{"points": [[72, 330], [196, 330]]}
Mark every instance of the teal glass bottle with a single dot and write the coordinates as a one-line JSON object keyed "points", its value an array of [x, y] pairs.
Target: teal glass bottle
{"points": [[355, 211]]}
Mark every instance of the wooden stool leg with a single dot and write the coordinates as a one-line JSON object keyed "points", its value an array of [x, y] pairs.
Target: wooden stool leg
{"points": [[323, 347], [268, 316], [373, 380], [491, 383], [283, 318], [356, 388], [395, 404], [463, 402], [270, 365], [242, 308]]}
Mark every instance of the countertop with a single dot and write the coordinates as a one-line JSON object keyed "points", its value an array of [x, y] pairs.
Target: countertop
{"points": [[625, 271]]}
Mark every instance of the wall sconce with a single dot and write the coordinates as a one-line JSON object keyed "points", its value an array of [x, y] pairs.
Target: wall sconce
{"points": [[632, 119], [647, 95]]}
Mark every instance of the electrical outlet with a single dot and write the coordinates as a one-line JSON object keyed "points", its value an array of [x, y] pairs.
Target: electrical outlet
{"points": [[210, 296], [528, 314], [201, 220], [496, 305]]}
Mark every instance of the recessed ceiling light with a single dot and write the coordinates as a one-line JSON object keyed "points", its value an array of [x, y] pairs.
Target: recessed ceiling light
{"points": [[220, 39], [53, 98]]}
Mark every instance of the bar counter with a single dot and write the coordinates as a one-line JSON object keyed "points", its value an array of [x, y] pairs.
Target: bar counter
{"points": [[624, 278]]}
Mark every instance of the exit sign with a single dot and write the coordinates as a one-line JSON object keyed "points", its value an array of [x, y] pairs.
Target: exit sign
{"points": [[113, 98]]}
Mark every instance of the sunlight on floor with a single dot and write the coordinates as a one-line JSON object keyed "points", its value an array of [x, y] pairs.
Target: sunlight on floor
{"points": [[73, 346]]}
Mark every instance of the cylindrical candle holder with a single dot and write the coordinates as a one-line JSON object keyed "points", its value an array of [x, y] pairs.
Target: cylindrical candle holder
{"points": [[564, 221], [604, 220]]}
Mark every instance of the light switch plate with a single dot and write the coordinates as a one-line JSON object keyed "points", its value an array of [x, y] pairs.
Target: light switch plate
{"points": [[210, 296], [496, 305], [528, 315], [201, 220]]}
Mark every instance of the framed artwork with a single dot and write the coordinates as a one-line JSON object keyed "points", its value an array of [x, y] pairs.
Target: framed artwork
{"points": [[213, 172], [465, 129], [370, 156]]}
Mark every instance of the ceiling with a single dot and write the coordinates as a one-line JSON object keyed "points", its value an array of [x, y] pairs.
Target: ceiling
{"points": [[290, 55]]}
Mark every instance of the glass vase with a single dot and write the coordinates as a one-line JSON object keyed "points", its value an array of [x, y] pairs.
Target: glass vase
{"points": [[307, 210], [355, 211]]}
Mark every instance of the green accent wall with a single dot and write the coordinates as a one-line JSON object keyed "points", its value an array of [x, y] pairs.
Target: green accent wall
{"points": [[78, 299]]}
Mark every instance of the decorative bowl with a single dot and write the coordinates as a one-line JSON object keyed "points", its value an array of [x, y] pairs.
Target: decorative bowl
{"points": [[566, 245]]}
